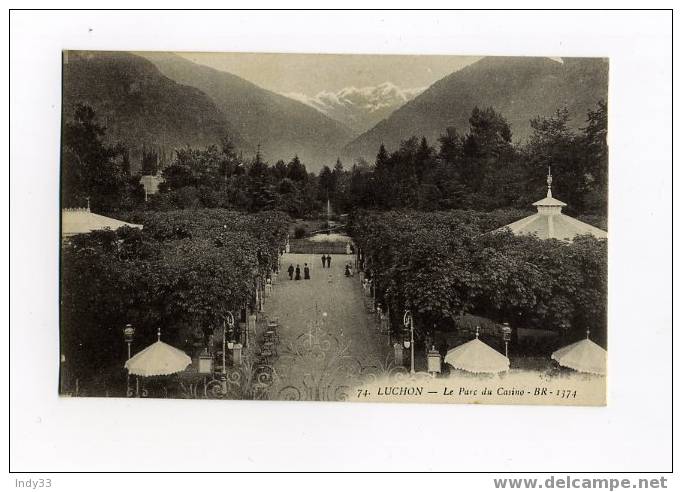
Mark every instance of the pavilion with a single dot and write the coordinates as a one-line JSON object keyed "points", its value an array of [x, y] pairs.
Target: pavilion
{"points": [[549, 223], [82, 221]]}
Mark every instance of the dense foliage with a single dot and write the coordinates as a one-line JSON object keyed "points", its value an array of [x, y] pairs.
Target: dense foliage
{"points": [[483, 170], [92, 169], [420, 215], [445, 263], [181, 273]]}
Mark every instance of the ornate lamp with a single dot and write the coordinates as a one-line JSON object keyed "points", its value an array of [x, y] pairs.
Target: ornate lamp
{"points": [[128, 335], [506, 336], [407, 319], [408, 322], [229, 319]]}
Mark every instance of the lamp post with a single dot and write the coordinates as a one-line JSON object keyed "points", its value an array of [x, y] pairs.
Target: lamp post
{"points": [[408, 321], [506, 336], [128, 335], [228, 321]]}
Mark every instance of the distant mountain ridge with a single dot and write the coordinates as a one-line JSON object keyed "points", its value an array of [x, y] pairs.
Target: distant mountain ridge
{"points": [[140, 106], [163, 101], [520, 88], [281, 126], [360, 108]]}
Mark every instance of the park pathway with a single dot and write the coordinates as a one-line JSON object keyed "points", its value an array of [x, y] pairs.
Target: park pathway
{"points": [[326, 333]]}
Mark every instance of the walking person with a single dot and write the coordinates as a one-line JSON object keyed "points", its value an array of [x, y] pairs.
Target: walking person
{"points": [[290, 270], [329, 261], [298, 272], [323, 260], [306, 272]]}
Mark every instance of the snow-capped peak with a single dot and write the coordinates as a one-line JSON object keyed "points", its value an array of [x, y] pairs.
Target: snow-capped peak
{"points": [[360, 107]]}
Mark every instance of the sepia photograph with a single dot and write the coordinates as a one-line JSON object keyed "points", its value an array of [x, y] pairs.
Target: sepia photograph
{"points": [[247, 245], [332, 227]]}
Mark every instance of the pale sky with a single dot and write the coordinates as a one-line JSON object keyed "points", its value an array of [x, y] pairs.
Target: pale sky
{"points": [[312, 73]]}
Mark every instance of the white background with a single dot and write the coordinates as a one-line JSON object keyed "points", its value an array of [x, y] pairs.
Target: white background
{"points": [[633, 433]]}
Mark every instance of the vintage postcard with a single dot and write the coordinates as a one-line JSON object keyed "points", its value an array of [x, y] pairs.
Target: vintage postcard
{"points": [[376, 228]]}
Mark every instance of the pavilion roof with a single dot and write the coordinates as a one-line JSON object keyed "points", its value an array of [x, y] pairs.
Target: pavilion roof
{"points": [[82, 221], [557, 226], [550, 223]]}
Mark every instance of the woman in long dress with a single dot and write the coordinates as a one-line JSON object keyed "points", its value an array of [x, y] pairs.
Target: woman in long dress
{"points": [[298, 272], [306, 272]]}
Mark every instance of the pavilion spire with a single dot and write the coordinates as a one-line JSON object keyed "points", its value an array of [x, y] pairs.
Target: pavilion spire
{"points": [[550, 223]]}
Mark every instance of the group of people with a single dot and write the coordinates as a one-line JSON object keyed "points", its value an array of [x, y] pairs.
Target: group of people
{"points": [[349, 270], [326, 260], [306, 272], [295, 273]]}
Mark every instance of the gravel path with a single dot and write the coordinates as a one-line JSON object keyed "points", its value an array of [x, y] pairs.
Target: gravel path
{"points": [[317, 351]]}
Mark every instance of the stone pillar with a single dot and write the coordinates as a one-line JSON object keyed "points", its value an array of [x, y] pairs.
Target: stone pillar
{"points": [[243, 333], [237, 354], [398, 356], [252, 326]]}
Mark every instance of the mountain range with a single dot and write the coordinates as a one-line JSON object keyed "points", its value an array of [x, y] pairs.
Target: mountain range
{"points": [[359, 108], [139, 106], [164, 101], [520, 88], [281, 126]]}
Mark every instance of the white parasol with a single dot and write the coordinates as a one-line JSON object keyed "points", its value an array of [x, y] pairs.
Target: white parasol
{"points": [[159, 359], [477, 357], [582, 356]]}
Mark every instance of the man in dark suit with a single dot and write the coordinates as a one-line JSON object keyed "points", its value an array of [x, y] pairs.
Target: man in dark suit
{"points": [[290, 270], [323, 260]]}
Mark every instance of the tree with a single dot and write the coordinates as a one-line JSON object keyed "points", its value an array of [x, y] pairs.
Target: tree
{"points": [[382, 158], [451, 148], [260, 190], [325, 182], [150, 162], [195, 167], [229, 161], [439, 264], [488, 140], [182, 272], [361, 185], [279, 170], [553, 143], [90, 168], [596, 156], [296, 170], [384, 186], [423, 163]]}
